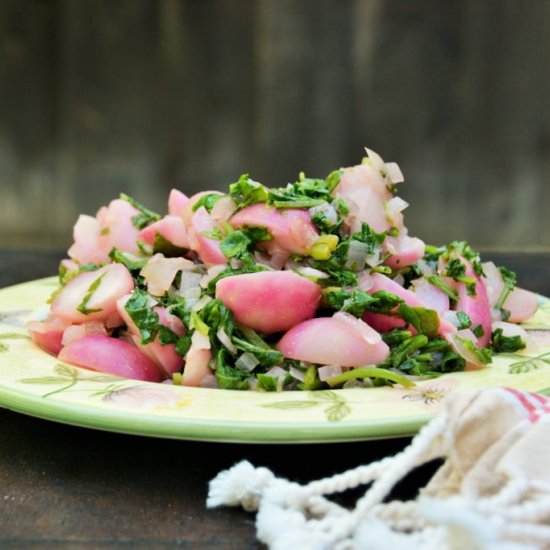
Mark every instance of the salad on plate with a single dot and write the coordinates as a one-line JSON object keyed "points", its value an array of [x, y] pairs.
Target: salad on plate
{"points": [[314, 285]]}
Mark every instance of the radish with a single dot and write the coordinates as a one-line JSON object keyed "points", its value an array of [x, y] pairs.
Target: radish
{"points": [[207, 248], [170, 227], [338, 340], [48, 334], [165, 356], [92, 295], [476, 305], [196, 366], [291, 229], [176, 202], [269, 301], [403, 250], [105, 354], [376, 281], [364, 190]]}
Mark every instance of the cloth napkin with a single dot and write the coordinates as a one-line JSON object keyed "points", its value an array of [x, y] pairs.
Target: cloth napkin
{"points": [[491, 492]]}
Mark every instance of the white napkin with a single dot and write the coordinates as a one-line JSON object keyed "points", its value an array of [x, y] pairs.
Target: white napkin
{"points": [[492, 491]]}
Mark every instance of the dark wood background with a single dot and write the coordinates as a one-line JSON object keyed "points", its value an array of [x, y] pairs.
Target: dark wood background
{"points": [[103, 96]]}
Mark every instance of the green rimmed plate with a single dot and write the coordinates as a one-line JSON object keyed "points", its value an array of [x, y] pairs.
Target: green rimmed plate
{"points": [[35, 383]]}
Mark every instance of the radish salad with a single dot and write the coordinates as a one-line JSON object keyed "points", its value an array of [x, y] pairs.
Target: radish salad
{"points": [[309, 286]]}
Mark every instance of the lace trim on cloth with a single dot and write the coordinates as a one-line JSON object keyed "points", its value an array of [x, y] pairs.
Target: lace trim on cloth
{"points": [[492, 491]]}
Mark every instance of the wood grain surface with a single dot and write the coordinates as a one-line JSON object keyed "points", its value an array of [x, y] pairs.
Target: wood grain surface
{"points": [[99, 97]]}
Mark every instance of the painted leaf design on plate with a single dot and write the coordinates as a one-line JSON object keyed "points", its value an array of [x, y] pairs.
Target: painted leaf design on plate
{"points": [[68, 377], [336, 410], [527, 363]]}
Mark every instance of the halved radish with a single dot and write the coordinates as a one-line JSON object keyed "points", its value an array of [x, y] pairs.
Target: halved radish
{"points": [[291, 229], [170, 227], [106, 354], [95, 293], [269, 301], [338, 340]]}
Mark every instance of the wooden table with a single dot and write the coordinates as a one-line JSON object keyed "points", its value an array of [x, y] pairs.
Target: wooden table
{"points": [[65, 487]]}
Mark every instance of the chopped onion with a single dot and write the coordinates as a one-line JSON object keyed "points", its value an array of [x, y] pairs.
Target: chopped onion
{"points": [[276, 372], [357, 255], [223, 337], [247, 361], [297, 373], [424, 267], [374, 259], [191, 297], [494, 283], [159, 272], [189, 279], [200, 341], [311, 273], [394, 172], [329, 371], [376, 160], [328, 210], [201, 303], [396, 205], [455, 339]]}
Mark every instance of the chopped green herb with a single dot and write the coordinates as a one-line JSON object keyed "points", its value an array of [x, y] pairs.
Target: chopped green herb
{"points": [[83, 306], [506, 344], [140, 311], [208, 201], [145, 217]]}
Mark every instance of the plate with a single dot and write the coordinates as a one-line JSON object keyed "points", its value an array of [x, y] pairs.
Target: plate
{"points": [[34, 383]]}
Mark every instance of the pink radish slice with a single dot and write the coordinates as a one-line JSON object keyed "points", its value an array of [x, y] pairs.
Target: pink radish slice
{"points": [[269, 301], [170, 227], [208, 249], [85, 248], [196, 366], [117, 228], [476, 306], [431, 295], [176, 202], [384, 323], [522, 305], [291, 229], [404, 251], [48, 334], [364, 190], [114, 282], [336, 340], [187, 212], [106, 354], [165, 356]]}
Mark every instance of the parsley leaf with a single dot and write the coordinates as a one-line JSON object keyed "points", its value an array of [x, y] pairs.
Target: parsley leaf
{"points": [[506, 344], [143, 316], [83, 306], [145, 217]]}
